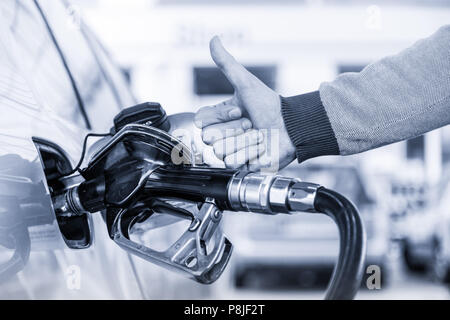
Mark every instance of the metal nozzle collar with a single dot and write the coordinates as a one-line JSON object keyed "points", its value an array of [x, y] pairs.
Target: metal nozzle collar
{"points": [[270, 194]]}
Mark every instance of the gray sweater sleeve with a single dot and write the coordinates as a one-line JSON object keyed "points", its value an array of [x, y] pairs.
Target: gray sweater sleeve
{"points": [[395, 98]]}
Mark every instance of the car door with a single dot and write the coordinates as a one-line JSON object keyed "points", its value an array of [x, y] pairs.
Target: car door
{"points": [[44, 88]]}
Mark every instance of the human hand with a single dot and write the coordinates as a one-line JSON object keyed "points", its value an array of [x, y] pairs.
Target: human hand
{"points": [[247, 129]]}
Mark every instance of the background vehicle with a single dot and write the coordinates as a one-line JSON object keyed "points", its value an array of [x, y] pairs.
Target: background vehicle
{"points": [[441, 250], [426, 245]]}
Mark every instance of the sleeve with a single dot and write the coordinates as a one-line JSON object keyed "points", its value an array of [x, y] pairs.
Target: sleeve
{"points": [[393, 99]]}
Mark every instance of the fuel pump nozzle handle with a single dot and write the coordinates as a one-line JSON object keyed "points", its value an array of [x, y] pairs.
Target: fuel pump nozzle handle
{"points": [[234, 190], [252, 192]]}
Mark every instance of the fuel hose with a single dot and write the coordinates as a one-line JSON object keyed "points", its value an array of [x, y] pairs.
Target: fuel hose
{"points": [[348, 272], [257, 193]]}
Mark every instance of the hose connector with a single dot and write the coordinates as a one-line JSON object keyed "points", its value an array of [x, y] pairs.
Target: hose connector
{"points": [[258, 193]]}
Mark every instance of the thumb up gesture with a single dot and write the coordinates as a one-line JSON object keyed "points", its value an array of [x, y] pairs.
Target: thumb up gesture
{"points": [[248, 129]]}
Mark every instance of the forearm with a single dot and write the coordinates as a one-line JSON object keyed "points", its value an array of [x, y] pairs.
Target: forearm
{"points": [[393, 99]]}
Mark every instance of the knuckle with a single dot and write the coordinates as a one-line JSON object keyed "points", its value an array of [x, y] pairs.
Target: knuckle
{"points": [[218, 150], [203, 111], [231, 161], [220, 112], [205, 137], [252, 137], [212, 134], [198, 120], [246, 124], [235, 131]]}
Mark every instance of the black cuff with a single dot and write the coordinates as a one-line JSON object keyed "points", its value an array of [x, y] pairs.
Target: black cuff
{"points": [[308, 126]]}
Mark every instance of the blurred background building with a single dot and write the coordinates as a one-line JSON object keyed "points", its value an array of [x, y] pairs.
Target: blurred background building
{"points": [[293, 46]]}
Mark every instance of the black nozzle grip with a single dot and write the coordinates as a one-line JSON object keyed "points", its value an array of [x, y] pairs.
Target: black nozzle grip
{"points": [[191, 183]]}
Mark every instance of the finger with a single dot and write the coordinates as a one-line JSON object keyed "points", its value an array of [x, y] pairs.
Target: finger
{"points": [[267, 161], [230, 145], [220, 131], [222, 112], [233, 70], [261, 162], [210, 159], [240, 158]]}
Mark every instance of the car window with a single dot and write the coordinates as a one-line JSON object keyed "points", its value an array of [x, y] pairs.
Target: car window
{"points": [[39, 59], [71, 73], [100, 103], [114, 75]]}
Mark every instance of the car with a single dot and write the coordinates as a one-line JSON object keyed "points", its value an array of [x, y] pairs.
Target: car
{"points": [[58, 83], [441, 250], [299, 251], [426, 243]]}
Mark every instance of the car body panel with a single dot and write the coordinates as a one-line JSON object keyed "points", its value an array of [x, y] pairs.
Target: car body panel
{"points": [[36, 101]]}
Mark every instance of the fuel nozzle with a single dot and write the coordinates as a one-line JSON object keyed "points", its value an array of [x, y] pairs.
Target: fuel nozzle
{"points": [[132, 177], [253, 192], [234, 190]]}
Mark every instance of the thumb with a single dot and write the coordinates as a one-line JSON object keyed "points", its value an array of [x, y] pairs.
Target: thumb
{"points": [[233, 70]]}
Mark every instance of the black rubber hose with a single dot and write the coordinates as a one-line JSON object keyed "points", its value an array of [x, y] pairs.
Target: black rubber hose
{"points": [[348, 272]]}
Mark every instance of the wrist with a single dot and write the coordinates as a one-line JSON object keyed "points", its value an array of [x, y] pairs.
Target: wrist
{"points": [[288, 151], [308, 126], [287, 147]]}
